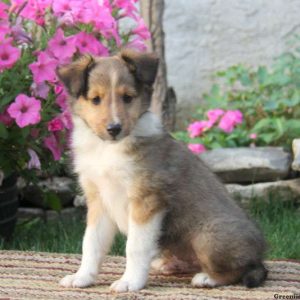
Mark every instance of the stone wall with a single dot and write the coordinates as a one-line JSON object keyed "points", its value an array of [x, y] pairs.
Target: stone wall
{"points": [[203, 36]]}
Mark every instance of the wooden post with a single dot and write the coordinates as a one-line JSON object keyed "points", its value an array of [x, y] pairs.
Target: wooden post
{"points": [[163, 98]]}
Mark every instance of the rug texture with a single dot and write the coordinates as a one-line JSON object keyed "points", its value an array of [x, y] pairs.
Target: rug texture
{"points": [[34, 275]]}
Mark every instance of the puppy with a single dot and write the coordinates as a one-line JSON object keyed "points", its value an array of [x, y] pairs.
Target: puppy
{"points": [[137, 179]]}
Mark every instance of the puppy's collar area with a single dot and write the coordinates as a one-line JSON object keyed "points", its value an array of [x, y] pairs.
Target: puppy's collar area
{"points": [[148, 125]]}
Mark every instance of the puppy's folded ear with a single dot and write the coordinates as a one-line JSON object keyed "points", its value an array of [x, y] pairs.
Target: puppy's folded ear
{"points": [[75, 75], [142, 65]]}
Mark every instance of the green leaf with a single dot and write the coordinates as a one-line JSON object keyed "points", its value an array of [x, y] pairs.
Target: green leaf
{"points": [[262, 75], [267, 137], [245, 79], [52, 200], [263, 123], [3, 131], [25, 132]]}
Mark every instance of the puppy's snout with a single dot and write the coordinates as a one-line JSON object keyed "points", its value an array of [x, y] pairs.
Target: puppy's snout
{"points": [[114, 129]]}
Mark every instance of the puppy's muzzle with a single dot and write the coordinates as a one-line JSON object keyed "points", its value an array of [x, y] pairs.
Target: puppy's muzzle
{"points": [[114, 129]]}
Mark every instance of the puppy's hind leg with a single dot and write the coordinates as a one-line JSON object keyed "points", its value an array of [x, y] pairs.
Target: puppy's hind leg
{"points": [[226, 260], [97, 240]]}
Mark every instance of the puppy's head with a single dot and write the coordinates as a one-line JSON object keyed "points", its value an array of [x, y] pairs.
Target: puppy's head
{"points": [[111, 93]]}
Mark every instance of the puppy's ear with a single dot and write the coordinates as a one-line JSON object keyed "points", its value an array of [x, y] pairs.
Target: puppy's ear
{"points": [[75, 75], [142, 65]]}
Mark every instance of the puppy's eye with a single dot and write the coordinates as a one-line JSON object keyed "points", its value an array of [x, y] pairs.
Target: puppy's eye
{"points": [[127, 98], [96, 100]]}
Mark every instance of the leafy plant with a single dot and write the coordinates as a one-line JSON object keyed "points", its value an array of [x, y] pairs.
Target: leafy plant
{"points": [[268, 98], [36, 36]]}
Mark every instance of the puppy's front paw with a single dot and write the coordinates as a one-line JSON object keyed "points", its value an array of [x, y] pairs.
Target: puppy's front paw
{"points": [[122, 285], [77, 280]]}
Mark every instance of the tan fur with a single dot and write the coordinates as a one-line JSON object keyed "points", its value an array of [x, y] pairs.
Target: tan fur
{"points": [[144, 208], [150, 185], [93, 201]]}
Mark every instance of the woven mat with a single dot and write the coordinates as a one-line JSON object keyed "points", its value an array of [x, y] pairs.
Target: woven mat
{"points": [[34, 275]]}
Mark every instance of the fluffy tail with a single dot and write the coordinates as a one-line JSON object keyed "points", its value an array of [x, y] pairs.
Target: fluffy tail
{"points": [[255, 275]]}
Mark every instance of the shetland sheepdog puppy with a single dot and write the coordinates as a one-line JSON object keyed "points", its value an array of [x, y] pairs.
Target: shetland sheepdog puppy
{"points": [[178, 217]]}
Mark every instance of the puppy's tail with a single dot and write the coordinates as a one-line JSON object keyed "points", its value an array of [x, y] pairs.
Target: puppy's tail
{"points": [[255, 275]]}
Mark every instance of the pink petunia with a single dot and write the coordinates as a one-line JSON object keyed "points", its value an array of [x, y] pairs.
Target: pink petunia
{"points": [[35, 132], [128, 8], [62, 47], [19, 34], [214, 114], [197, 128], [44, 68], [34, 162], [253, 136], [6, 119], [197, 148], [230, 119], [61, 100], [40, 89], [8, 55], [3, 11], [5, 30], [87, 43], [51, 142], [25, 110], [66, 119], [35, 10], [55, 124], [58, 88], [137, 44], [142, 30], [62, 7]]}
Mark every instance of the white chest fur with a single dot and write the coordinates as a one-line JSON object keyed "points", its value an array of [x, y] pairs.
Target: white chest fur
{"points": [[108, 167]]}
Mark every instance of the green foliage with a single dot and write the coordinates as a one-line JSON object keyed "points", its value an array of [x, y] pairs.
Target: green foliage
{"points": [[269, 99], [278, 220], [63, 235]]}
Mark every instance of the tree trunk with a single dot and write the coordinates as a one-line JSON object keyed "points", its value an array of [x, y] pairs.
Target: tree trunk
{"points": [[163, 98]]}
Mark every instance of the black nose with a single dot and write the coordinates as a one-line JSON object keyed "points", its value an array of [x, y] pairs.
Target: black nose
{"points": [[114, 129]]}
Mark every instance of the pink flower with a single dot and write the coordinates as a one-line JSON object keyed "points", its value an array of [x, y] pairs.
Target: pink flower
{"points": [[198, 127], [3, 11], [87, 43], [230, 119], [6, 119], [62, 7], [19, 34], [61, 100], [35, 10], [34, 162], [35, 132], [8, 55], [25, 110], [253, 136], [197, 148], [44, 68], [4, 30], [58, 88], [60, 46], [66, 119], [51, 142], [40, 89], [142, 30], [105, 23], [137, 44], [214, 114], [55, 124], [128, 7]]}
